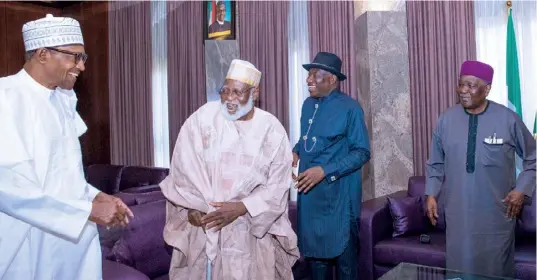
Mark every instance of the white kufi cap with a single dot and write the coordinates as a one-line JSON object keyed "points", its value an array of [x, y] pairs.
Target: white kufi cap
{"points": [[51, 31], [245, 72]]}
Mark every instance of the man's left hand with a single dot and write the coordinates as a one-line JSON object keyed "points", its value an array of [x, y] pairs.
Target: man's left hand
{"points": [[225, 214], [309, 179], [514, 201]]}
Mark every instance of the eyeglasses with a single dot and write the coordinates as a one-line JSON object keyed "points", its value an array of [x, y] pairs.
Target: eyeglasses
{"points": [[78, 56], [239, 93]]}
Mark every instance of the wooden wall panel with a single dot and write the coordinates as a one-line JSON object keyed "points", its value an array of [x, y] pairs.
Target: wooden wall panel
{"points": [[3, 40], [92, 86], [14, 15]]}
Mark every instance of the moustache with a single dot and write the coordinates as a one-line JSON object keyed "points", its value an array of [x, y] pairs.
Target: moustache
{"points": [[232, 104]]}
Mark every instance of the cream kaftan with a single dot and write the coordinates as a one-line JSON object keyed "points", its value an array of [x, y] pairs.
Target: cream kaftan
{"points": [[220, 160]]}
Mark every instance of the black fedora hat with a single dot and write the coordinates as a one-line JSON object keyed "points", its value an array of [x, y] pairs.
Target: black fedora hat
{"points": [[327, 61]]}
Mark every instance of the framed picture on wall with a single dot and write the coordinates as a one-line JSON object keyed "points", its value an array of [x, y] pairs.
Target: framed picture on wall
{"points": [[219, 22]]}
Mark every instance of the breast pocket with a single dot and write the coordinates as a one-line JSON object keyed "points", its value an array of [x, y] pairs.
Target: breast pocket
{"points": [[496, 155]]}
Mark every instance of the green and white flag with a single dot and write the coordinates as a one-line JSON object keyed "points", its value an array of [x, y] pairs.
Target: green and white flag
{"points": [[535, 125], [513, 77]]}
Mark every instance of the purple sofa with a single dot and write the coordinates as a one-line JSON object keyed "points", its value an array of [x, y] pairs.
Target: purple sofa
{"points": [[111, 179], [380, 251], [139, 252]]}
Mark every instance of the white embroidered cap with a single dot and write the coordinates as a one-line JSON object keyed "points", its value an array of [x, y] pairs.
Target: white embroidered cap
{"points": [[244, 71], [51, 31]]}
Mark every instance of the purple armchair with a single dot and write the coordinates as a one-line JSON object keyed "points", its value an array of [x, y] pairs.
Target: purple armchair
{"points": [[380, 252], [139, 250]]}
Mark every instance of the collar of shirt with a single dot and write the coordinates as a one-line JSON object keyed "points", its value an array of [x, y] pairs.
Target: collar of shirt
{"points": [[484, 110], [34, 85], [327, 98]]}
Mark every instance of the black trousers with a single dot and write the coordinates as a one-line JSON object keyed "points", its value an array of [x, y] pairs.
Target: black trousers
{"points": [[346, 264]]}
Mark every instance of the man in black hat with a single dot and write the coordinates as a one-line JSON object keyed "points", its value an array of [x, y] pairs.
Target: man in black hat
{"points": [[333, 147]]}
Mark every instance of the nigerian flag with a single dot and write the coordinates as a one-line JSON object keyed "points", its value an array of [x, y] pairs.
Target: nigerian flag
{"points": [[513, 78], [535, 124]]}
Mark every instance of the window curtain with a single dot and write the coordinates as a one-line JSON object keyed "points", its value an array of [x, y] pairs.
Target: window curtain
{"points": [[299, 54], [186, 63], [331, 29], [131, 119], [159, 48], [491, 32], [262, 35], [440, 38]]}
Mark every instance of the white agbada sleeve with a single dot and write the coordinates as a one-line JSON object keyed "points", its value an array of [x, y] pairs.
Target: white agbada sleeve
{"points": [[21, 194], [92, 192], [81, 128]]}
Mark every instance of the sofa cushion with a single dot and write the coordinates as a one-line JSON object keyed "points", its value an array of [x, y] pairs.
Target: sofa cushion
{"points": [[139, 176], [104, 177], [109, 236], [131, 199], [525, 251], [143, 198], [409, 249], [127, 198], [525, 260], [526, 221], [416, 187], [143, 189], [407, 215], [116, 271], [525, 271], [142, 245]]}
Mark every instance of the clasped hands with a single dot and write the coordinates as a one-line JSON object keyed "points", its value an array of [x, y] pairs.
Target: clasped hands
{"points": [[307, 179], [109, 211], [225, 214]]}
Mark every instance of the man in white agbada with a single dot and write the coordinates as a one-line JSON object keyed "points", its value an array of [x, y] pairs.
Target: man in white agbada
{"points": [[228, 189], [48, 212]]}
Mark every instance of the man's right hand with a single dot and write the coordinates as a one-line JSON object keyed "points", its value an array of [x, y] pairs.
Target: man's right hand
{"points": [[194, 217], [295, 162], [432, 209], [109, 211]]}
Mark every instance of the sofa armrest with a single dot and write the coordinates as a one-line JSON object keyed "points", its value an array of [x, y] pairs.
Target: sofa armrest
{"points": [[375, 225]]}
